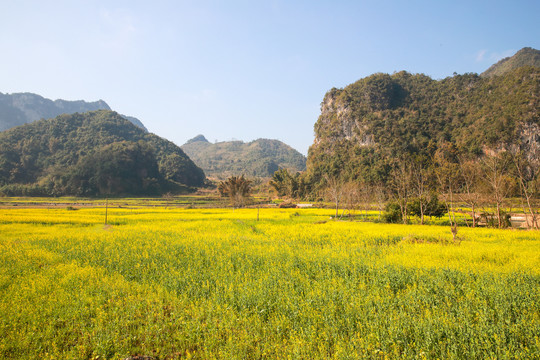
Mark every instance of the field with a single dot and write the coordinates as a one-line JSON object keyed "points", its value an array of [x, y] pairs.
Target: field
{"points": [[215, 283]]}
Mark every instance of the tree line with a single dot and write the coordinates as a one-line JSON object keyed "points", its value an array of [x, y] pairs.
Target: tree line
{"points": [[489, 187]]}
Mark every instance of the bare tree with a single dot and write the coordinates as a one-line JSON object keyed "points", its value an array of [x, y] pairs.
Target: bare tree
{"points": [[471, 174], [334, 191], [447, 174], [366, 196], [401, 185], [381, 196], [168, 197], [351, 196], [499, 183], [526, 174], [421, 187]]}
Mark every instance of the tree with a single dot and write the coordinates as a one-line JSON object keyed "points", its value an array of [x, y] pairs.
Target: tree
{"points": [[284, 183], [471, 176], [334, 191], [379, 194], [433, 207], [168, 197], [401, 175], [526, 173], [421, 177], [237, 189], [499, 184], [447, 173], [392, 213], [351, 196]]}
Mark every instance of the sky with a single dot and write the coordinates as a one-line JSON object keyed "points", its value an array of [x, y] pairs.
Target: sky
{"points": [[244, 70]]}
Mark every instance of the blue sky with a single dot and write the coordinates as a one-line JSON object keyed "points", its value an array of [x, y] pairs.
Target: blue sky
{"points": [[244, 69]]}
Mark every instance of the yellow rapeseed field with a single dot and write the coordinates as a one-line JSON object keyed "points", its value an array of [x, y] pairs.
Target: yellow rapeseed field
{"points": [[217, 284]]}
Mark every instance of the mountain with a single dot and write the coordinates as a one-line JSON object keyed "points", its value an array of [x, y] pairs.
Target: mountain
{"points": [[91, 154], [198, 138], [22, 108], [367, 127], [260, 157], [524, 57]]}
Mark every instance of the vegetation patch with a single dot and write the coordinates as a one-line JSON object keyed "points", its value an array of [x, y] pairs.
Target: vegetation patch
{"points": [[218, 284]]}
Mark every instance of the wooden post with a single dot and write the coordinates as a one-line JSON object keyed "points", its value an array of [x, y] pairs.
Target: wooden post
{"points": [[106, 209], [258, 212]]}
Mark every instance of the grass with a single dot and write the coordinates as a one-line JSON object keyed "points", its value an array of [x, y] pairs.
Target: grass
{"points": [[214, 283]]}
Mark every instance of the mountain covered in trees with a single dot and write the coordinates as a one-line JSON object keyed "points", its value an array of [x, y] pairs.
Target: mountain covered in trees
{"points": [[22, 108], [261, 157], [98, 153], [369, 126]]}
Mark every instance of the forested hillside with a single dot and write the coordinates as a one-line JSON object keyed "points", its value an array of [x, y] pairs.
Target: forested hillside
{"points": [[91, 154], [260, 157], [22, 108], [365, 127]]}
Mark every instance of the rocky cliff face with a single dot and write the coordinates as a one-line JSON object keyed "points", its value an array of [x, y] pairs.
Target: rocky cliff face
{"points": [[529, 144], [337, 120], [22, 108]]}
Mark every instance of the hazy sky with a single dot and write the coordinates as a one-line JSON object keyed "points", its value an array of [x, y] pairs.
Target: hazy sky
{"points": [[244, 69]]}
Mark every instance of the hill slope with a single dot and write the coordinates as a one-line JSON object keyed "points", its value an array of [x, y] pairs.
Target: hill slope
{"points": [[260, 157], [22, 108], [95, 153], [366, 126], [524, 57]]}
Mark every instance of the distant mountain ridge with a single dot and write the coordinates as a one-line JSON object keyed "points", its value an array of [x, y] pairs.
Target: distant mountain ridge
{"points": [[261, 157], [23, 108], [198, 138], [524, 57]]}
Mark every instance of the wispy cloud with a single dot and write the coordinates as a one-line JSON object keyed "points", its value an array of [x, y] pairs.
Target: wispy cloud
{"points": [[480, 55], [492, 56]]}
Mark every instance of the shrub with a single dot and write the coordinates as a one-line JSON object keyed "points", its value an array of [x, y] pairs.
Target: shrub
{"points": [[392, 213]]}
